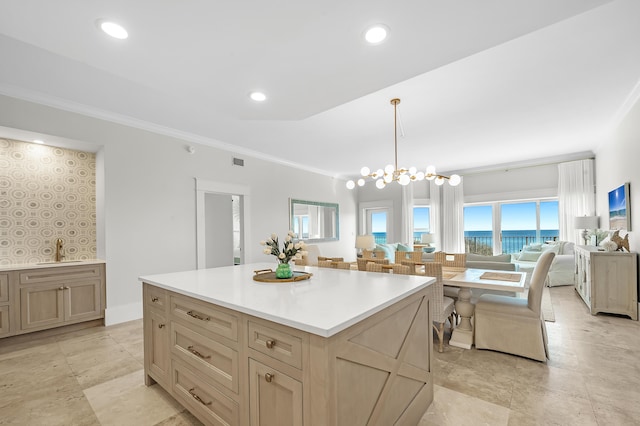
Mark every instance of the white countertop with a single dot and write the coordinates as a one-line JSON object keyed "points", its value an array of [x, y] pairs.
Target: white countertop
{"points": [[51, 264], [331, 301]]}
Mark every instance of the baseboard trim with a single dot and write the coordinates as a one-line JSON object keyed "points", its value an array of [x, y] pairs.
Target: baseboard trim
{"points": [[123, 313]]}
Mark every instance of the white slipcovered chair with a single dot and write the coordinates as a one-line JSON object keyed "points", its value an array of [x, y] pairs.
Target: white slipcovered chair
{"points": [[442, 306], [514, 325]]}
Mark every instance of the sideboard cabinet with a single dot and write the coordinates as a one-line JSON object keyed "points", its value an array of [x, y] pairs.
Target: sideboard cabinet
{"points": [[607, 281]]}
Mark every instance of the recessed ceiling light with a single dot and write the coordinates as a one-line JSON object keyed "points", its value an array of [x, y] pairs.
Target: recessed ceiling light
{"points": [[112, 29], [38, 141], [258, 96], [376, 33]]}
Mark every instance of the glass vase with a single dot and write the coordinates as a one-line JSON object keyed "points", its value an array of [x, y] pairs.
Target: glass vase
{"points": [[284, 271]]}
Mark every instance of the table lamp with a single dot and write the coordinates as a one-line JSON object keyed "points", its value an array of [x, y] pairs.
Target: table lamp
{"points": [[585, 223], [427, 239], [365, 242]]}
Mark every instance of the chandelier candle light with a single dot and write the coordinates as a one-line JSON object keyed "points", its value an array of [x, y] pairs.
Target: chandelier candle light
{"points": [[392, 173]]}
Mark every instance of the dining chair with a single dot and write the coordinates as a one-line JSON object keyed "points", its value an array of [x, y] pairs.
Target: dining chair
{"points": [[362, 262], [514, 325], [325, 264], [376, 267], [373, 254], [413, 256], [451, 260], [342, 265], [401, 269], [442, 305]]}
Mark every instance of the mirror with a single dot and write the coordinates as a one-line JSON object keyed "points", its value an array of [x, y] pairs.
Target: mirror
{"points": [[313, 221]]}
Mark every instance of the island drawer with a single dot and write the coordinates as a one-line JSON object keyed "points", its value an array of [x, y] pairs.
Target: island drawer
{"points": [[155, 297], [4, 288], [204, 315], [275, 343], [212, 358], [60, 273], [199, 396]]}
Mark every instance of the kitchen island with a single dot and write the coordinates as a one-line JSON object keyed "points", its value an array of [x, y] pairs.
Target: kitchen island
{"points": [[342, 348]]}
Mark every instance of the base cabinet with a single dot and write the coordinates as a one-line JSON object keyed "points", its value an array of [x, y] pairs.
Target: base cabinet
{"points": [[607, 281], [43, 298], [274, 397], [230, 368]]}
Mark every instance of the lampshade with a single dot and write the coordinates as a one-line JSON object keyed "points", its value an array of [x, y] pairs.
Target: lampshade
{"points": [[426, 238], [585, 222], [366, 242]]}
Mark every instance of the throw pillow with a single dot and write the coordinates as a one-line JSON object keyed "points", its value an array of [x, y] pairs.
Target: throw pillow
{"points": [[389, 253], [402, 247], [530, 256]]}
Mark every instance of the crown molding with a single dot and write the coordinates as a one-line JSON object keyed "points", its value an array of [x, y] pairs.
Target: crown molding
{"points": [[89, 111]]}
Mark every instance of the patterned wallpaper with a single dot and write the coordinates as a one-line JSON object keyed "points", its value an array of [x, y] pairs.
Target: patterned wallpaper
{"points": [[46, 193]]}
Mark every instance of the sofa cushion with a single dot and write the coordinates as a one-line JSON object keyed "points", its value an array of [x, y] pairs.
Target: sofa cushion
{"points": [[403, 247], [388, 249]]}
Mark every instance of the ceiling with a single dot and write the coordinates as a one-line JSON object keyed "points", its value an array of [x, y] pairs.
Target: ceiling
{"points": [[481, 83]]}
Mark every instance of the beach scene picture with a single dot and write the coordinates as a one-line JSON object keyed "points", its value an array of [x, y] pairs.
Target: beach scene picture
{"points": [[618, 215]]}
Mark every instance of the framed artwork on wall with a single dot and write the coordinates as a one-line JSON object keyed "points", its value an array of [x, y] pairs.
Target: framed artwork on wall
{"points": [[619, 214]]}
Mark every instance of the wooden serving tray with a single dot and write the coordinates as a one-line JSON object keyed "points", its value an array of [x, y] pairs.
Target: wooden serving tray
{"points": [[269, 276]]}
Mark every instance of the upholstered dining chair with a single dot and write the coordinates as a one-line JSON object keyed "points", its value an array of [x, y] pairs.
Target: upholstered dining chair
{"points": [[442, 306], [376, 267], [514, 325], [451, 260]]}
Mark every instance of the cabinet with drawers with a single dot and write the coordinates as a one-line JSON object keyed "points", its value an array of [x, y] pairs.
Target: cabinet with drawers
{"points": [[231, 368], [40, 298], [607, 281]]}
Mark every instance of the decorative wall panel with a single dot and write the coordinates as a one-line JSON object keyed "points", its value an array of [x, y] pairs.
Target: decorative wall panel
{"points": [[46, 193]]}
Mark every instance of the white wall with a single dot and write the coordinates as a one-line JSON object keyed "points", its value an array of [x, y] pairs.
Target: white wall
{"points": [[149, 216], [617, 163]]}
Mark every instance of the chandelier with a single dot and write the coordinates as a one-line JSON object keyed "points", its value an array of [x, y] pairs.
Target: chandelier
{"points": [[392, 173]]}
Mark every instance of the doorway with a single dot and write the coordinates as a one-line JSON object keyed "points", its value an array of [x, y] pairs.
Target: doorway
{"points": [[220, 226]]}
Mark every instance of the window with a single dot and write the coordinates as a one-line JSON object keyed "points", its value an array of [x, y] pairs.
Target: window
{"points": [[421, 220], [377, 224], [505, 227]]}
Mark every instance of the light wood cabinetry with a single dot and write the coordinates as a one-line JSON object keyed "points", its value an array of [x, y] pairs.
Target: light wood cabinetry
{"points": [[42, 298], [607, 281], [5, 307], [231, 368]]}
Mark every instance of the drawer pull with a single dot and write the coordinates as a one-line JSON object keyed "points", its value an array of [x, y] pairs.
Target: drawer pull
{"points": [[196, 316], [197, 398], [60, 288], [196, 353], [270, 343], [160, 325], [155, 299], [268, 377], [67, 287]]}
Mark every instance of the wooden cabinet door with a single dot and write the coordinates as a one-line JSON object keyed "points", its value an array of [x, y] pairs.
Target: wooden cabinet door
{"points": [[275, 399], [156, 345], [4, 320], [82, 300], [41, 306]]}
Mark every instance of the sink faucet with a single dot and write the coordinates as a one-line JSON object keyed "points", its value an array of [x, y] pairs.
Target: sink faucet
{"points": [[59, 254]]}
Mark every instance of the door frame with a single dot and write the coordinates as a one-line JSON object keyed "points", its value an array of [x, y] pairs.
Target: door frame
{"points": [[204, 186]]}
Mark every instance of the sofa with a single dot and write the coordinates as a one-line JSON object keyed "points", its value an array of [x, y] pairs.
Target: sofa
{"points": [[562, 270]]}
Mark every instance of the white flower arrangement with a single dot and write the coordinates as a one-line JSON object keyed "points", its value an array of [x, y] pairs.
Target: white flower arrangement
{"points": [[609, 245], [600, 234], [291, 249]]}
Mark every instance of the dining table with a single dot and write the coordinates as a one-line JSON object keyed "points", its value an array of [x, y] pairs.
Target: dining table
{"points": [[485, 281]]}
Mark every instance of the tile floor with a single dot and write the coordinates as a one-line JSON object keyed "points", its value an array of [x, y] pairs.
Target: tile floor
{"points": [[95, 377]]}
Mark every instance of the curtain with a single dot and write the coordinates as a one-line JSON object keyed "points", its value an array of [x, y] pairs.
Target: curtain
{"points": [[576, 195], [406, 235], [449, 209]]}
